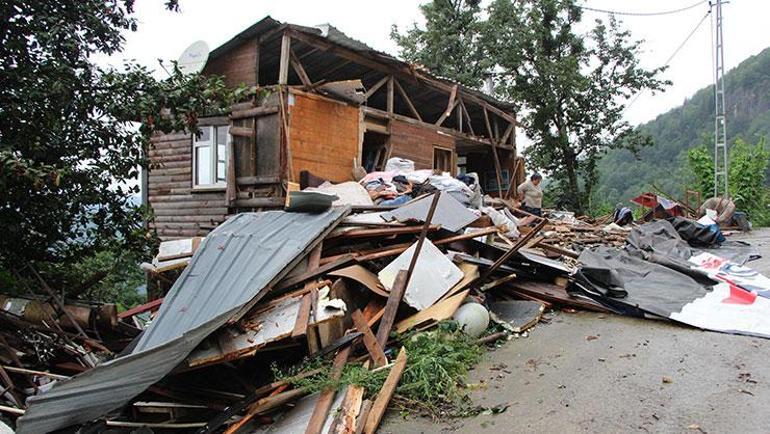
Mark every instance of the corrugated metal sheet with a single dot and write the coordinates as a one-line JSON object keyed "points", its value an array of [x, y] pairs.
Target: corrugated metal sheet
{"points": [[233, 266]]}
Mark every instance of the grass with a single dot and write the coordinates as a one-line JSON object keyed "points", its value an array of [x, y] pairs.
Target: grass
{"points": [[433, 382]]}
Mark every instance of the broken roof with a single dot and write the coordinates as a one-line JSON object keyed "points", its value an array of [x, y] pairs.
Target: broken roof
{"points": [[236, 264], [268, 28]]}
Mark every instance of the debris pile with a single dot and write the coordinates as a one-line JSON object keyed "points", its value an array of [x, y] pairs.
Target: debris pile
{"points": [[347, 290]]}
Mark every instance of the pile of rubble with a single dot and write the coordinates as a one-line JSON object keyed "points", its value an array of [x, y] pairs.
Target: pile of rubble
{"points": [[327, 280]]}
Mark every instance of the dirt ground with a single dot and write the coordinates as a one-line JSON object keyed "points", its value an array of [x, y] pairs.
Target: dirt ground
{"points": [[586, 372]]}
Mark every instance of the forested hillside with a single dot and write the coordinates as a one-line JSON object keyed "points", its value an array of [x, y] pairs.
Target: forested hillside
{"points": [[664, 164]]}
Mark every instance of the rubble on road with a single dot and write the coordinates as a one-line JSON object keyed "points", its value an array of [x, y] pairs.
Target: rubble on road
{"points": [[348, 287]]}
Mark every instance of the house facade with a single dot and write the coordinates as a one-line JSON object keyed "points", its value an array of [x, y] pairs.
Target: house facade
{"points": [[325, 104]]}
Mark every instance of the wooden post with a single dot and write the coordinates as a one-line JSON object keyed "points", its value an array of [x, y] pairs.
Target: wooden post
{"points": [[324, 403], [383, 397], [390, 95], [283, 69]]}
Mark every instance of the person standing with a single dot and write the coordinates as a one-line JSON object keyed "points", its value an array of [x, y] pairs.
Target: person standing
{"points": [[531, 195]]}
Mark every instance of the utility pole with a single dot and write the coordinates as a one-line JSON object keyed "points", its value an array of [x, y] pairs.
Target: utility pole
{"points": [[720, 117]]}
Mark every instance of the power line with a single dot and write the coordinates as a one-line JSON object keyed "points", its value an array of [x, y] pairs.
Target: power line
{"points": [[673, 55], [643, 14]]}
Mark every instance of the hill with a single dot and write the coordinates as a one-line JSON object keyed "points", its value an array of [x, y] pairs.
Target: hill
{"points": [[748, 110]]}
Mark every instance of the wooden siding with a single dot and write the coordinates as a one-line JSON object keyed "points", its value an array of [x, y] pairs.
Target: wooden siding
{"points": [[416, 142], [180, 212], [323, 137], [237, 67]]}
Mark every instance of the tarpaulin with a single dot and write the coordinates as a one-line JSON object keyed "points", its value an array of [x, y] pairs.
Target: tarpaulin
{"points": [[235, 265], [730, 302]]}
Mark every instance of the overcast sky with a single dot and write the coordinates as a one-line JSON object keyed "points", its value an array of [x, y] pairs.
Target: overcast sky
{"points": [[165, 35]]}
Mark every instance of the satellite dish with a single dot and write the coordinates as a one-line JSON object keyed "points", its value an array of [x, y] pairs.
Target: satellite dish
{"points": [[194, 58]]}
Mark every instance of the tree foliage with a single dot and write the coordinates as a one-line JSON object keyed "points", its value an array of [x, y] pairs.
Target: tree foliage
{"points": [[571, 85], [623, 176], [747, 168], [449, 44], [73, 135]]}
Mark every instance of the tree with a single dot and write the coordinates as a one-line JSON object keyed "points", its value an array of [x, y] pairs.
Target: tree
{"points": [[449, 44], [70, 139], [571, 86]]}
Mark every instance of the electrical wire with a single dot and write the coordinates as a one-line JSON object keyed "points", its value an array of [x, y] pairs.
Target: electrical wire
{"points": [[643, 14], [673, 55]]}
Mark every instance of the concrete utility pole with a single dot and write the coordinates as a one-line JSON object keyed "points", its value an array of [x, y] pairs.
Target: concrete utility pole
{"points": [[720, 118]]}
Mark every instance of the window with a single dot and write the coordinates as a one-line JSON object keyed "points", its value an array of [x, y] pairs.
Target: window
{"points": [[210, 156], [442, 159]]}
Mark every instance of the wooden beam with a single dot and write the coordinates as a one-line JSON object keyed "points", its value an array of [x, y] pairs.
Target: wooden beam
{"points": [[376, 87], [459, 114], [449, 107], [408, 101], [283, 69], [299, 69], [467, 118], [507, 133], [391, 96], [489, 126], [402, 71], [391, 308], [385, 394], [447, 113], [231, 190], [370, 341], [324, 403]]}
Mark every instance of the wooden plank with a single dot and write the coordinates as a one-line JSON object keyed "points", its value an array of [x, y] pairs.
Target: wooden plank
{"points": [[254, 112], [407, 100], [370, 341], [313, 272], [259, 202], [386, 393], [345, 421], [450, 106], [324, 403], [257, 180], [231, 191], [391, 308], [283, 68], [366, 407], [390, 100], [243, 132], [383, 232], [303, 316]]}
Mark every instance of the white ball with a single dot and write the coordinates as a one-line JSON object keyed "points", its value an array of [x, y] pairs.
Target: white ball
{"points": [[473, 319]]}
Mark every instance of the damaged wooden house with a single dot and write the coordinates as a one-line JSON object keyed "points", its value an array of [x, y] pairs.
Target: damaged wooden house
{"points": [[326, 105]]}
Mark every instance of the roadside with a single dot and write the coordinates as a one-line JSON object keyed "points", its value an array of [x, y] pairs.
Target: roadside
{"points": [[608, 373]]}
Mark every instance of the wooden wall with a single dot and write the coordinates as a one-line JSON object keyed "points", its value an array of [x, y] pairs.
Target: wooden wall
{"points": [[416, 142], [178, 211], [323, 137], [237, 66]]}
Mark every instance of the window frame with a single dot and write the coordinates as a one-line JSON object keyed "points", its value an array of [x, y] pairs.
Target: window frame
{"points": [[448, 152], [213, 144]]}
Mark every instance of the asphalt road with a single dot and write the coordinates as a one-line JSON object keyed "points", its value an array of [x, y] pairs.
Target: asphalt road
{"points": [[586, 372]]}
